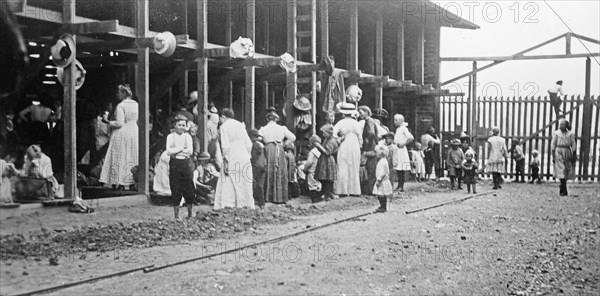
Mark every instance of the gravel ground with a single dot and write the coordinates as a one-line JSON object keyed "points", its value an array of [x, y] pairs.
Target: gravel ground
{"points": [[521, 240]]}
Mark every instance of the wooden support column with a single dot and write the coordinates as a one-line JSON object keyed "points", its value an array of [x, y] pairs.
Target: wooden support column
{"points": [[568, 43], [419, 75], [379, 57], [353, 65], [400, 52], [475, 116], [142, 91], [202, 70], [313, 56], [184, 80], [228, 24], [250, 98], [291, 78], [70, 174], [586, 132], [324, 17]]}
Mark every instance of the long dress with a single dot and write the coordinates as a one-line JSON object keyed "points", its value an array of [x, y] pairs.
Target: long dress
{"points": [[369, 135], [497, 155], [563, 145], [276, 189], [348, 157], [235, 189], [401, 137], [382, 172], [122, 154], [161, 175]]}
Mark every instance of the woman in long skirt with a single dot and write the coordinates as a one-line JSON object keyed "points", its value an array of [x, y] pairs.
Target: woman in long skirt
{"points": [[497, 157], [348, 156], [564, 150], [122, 154], [276, 188]]}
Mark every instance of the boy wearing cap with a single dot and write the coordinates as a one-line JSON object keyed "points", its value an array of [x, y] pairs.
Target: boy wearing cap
{"points": [[179, 148], [205, 179], [454, 163]]}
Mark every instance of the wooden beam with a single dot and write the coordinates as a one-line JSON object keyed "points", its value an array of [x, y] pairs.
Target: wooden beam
{"points": [[379, 42], [202, 70], [353, 54], [369, 79], [219, 52], [588, 39], [586, 125], [69, 107], [167, 83], [142, 85], [568, 44], [420, 67], [250, 92], [292, 78], [400, 52], [324, 18], [98, 27], [522, 57]]}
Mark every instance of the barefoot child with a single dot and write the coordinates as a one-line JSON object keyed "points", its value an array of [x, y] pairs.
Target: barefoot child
{"points": [[534, 167], [180, 149], [326, 170], [519, 158], [383, 186], [417, 162], [314, 186], [453, 163], [469, 167]]}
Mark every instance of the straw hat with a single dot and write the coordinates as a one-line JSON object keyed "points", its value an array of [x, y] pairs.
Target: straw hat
{"points": [[302, 104], [79, 78], [455, 142], [380, 113], [353, 93], [347, 108], [287, 62], [165, 43], [213, 110], [63, 51]]}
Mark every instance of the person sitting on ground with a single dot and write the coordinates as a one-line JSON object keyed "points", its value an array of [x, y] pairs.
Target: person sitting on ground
{"points": [[206, 177], [534, 167], [453, 163], [469, 167], [383, 187], [39, 166], [519, 158], [314, 186]]}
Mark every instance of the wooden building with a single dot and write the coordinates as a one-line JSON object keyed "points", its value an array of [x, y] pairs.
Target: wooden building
{"points": [[390, 48]]}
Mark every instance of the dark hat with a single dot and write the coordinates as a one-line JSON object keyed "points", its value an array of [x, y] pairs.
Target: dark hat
{"points": [[389, 135], [464, 135], [253, 133], [203, 156], [380, 113], [179, 117]]}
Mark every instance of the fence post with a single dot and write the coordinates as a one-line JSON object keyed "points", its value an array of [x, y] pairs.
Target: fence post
{"points": [[586, 127]]}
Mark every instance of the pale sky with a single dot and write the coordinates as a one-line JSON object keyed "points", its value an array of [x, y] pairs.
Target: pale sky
{"points": [[507, 27]]}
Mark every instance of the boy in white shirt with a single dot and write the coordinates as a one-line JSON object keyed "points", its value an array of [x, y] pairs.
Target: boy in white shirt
{"points": [[180, 149]]}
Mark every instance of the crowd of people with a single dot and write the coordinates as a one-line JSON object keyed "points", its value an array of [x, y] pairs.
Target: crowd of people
{"points": [[352, 154]]}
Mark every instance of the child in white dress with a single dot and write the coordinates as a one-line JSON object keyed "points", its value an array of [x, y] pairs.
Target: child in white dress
{"points": [[383, 186]]}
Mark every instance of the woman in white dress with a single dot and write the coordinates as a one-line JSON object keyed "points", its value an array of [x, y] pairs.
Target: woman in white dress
{"points": [[348, 157], [234, 189], [122, 154], [402, 138]]}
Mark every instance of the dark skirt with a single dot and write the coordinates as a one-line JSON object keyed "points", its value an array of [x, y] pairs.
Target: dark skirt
{"points": [[276, 187], [326, 169], [469, 176], [429, 162]]}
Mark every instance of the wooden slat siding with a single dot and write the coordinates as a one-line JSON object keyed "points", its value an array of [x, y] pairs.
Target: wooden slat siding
{"points": [[484, 112], [551, 116], [570, 105], [546, 135], [455, 115], [539, 124], [576, 126], [534, 126], [510, 110], [596, 170]]}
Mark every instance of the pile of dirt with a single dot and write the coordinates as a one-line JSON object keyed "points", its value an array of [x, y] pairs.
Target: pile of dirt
{"points": [[205, 225]]}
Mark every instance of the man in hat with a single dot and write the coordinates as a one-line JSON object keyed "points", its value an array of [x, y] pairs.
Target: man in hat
{"points": [[555, 99]]}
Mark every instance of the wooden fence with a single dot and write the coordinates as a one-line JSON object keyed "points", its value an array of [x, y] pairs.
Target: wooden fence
{"points": [[529, 119]]}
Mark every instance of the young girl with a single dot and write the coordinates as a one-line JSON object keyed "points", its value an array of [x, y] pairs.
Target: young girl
{"points": [[326, 170], [259, 168], [418, 164], [179, 148], [392, 158], [469, 167], [290, 156], [453, 163], [314, 186], [383, 186], [429, 160], [534, 167]]}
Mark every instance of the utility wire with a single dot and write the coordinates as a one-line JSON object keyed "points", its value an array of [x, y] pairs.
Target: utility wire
{"points": [[558, 16]]}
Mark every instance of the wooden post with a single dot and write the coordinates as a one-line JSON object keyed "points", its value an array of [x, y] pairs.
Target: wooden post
{"points": [[202, 70], [568, 43], [586, 127], [469, 108], [324, 17], [69, 100], [249, 105], [291, 78], [379, 57], [353, 65], [228, 23], [142, 91], [420, 75], [313, 56], [475, 117], [184, 81], [400, 53]]}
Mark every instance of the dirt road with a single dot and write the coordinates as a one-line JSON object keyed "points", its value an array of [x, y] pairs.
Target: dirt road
{"points": [[521, 240]]}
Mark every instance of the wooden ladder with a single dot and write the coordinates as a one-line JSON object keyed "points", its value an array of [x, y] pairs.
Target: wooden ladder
{"points": [[306, 50]]}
